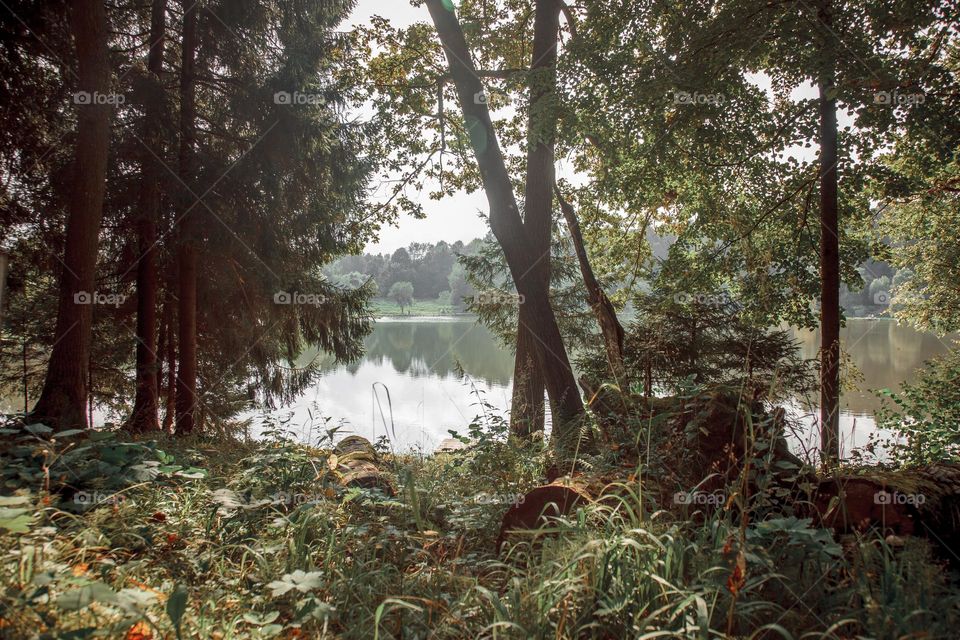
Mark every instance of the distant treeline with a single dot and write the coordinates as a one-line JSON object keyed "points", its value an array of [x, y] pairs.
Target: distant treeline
{"points": [[432, 269], [435, 274]]}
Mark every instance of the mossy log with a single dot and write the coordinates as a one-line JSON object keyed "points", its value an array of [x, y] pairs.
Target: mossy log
{"points": [[921, 501]]}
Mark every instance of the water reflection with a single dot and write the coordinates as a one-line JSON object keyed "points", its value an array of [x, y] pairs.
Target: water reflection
{"points": [[437, 371], [885, 355], [419, 360]]}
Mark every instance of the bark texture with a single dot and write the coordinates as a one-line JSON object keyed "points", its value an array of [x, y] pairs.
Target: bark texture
{"points": [[186, 387], [829, 255], [145, 405], [62, 401], [610, 327]]}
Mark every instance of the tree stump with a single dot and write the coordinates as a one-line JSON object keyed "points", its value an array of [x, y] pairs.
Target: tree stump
{"points": [[560, 497]]}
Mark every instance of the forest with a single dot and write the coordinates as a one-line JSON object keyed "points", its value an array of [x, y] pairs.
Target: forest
{"points": [[630, 407]]}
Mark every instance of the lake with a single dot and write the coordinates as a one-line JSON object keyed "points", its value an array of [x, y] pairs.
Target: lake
{"points": [[420, 362]]}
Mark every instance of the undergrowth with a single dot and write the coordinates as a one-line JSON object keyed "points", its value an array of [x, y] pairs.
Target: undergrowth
{"points": [[187, 538]]}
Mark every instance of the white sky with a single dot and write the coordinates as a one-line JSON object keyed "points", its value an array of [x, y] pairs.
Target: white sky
{"points": [[450, 219]]}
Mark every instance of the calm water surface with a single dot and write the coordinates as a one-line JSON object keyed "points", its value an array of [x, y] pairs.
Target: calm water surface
{"points": [[420, 362], [422, 377]]}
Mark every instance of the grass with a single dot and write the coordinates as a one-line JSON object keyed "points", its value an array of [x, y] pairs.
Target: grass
{"points": [[227, 539], [382, 307]]}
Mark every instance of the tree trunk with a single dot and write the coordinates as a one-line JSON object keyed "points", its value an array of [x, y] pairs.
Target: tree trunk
{"points": [[171, 384], [64, 394], [610, 326], [145, 405], [527, 411], [829, 257], [526, 407], [4, 261], [186, 400], [506, 223]]}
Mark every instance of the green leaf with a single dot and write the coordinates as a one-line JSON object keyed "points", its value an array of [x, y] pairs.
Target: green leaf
{"points": [[37, 429], [192, 473], [84, 596], [299, 580], [260, 620], [15, 520], [177, 606], [68, 433]]}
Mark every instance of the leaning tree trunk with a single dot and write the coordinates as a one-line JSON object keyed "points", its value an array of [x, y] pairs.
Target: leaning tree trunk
{"points": [[829, 256], [145, 405], [186, 388], [527, 411], [64, 394], [606, 315], [511, 231]]}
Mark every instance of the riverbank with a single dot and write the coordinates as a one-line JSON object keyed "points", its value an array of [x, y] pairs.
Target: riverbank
{"points": [[383, 308]]}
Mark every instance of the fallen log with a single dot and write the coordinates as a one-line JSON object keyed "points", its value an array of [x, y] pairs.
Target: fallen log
{"points": [[921, 501], [359, 465]]}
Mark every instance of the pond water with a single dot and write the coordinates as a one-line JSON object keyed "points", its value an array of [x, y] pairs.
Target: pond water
{"points": [[422, 377], [437, 370]]}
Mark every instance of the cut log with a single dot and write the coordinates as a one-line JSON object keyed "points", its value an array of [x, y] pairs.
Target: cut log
{"points": [[357, 447], [560, 497], [358, 465], [856, 504]]}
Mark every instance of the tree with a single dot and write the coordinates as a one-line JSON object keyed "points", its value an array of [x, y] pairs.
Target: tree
{"points": [[143, 417], [402, 294], [63, 398], [919, 188], [829, 244], [606, 315], [460, 288], [186, 400], [254, 244], [525, 240], [684, 135]]}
